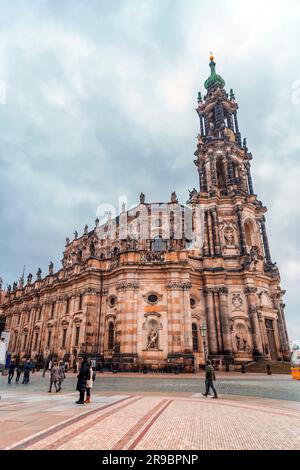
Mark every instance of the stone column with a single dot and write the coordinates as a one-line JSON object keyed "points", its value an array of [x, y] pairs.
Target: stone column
{"points": [[91, 303], [250, 183], [210, 234], [218, 319], [265, 240], [239, 212], [201, 125], [213, 174], [211, 322], [216, 232], [202, 177], [206, 238], [188, 338], [281, 327], [231, 175], [127, 320], [256, 336], [237, 130], [225, 324], [175, 337]]}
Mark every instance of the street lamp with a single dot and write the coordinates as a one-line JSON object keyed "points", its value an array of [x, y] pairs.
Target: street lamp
{"points": [[203, 331]]}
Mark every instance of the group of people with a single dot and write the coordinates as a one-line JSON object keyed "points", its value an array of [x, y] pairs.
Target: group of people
{"points": [[85, 379], [19, 368], [57, 376]]}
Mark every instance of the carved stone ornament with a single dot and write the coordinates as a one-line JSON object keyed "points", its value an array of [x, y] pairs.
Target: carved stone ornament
{"points": [[250, 290], [152, 257], [124, 286], [179, 286], [237, 301]]}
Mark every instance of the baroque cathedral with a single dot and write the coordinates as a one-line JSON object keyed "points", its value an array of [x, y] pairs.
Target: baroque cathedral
{"points": [[165, 283]]}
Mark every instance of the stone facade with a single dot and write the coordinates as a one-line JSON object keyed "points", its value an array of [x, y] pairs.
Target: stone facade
{"points": [[136, 293]]}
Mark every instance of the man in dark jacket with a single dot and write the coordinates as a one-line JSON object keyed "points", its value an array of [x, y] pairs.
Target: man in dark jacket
{"points": [[27, 369], [11, 371], [83, 377], [210, 377]]}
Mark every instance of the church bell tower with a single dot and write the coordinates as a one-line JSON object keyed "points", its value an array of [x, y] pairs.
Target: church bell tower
{"points": [[241, 284]]}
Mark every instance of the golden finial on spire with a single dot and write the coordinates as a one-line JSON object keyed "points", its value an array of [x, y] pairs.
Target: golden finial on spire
{"points": [[212, 57]]}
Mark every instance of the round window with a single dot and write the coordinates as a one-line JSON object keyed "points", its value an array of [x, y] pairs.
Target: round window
{"points": [[152, 298], [112, 301], [192, 302]]}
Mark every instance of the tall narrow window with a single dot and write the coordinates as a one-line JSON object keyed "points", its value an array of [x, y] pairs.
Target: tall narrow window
{"points": [[111, 336], [53, 310], [67, 305], [36, 341], [64, 337], [77, 333], [25, 342], [195, 338], [39, 313], [49, 338], [80, 302]]}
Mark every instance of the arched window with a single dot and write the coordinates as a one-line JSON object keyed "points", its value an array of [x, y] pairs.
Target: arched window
{"points": [[195, 338], [248, 234], [111, 336], [116, 252], [158, 244], [221, 176]]}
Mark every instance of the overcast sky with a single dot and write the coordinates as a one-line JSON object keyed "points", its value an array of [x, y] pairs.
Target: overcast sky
{"points": [[98, 100]]}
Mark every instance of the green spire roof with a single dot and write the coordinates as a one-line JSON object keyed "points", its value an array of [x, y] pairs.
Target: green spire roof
{"points": [[214, 80]]}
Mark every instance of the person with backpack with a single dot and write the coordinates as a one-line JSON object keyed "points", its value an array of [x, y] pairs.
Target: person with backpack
{"points": [[89, 384], [210, 378]]}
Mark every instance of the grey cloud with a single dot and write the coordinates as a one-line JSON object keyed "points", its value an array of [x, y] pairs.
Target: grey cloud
{"points": [[101, 100]]}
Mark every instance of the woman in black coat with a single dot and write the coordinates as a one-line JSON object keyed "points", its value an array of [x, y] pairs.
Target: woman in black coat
{"points": [[83, 377]]}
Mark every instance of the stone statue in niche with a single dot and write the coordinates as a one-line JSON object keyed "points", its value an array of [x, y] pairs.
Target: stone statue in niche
{"points": [[152, 339], [242, 344], [229, 236], [92, 248], [252, 259], [79, 255]]}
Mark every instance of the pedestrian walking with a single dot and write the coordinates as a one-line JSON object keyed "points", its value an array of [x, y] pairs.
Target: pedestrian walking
{"points": [[11, 371], [89, 384], [54, 377], [19, 369], [83, 376], [62, 375], [210, 378], [26, 375]]}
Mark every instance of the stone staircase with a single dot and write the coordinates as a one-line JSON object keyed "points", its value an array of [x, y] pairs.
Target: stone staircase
{"points": [[277, 367]]}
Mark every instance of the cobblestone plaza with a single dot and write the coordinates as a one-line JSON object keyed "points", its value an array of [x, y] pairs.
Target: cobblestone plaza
{"points": [[153, 413]]}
